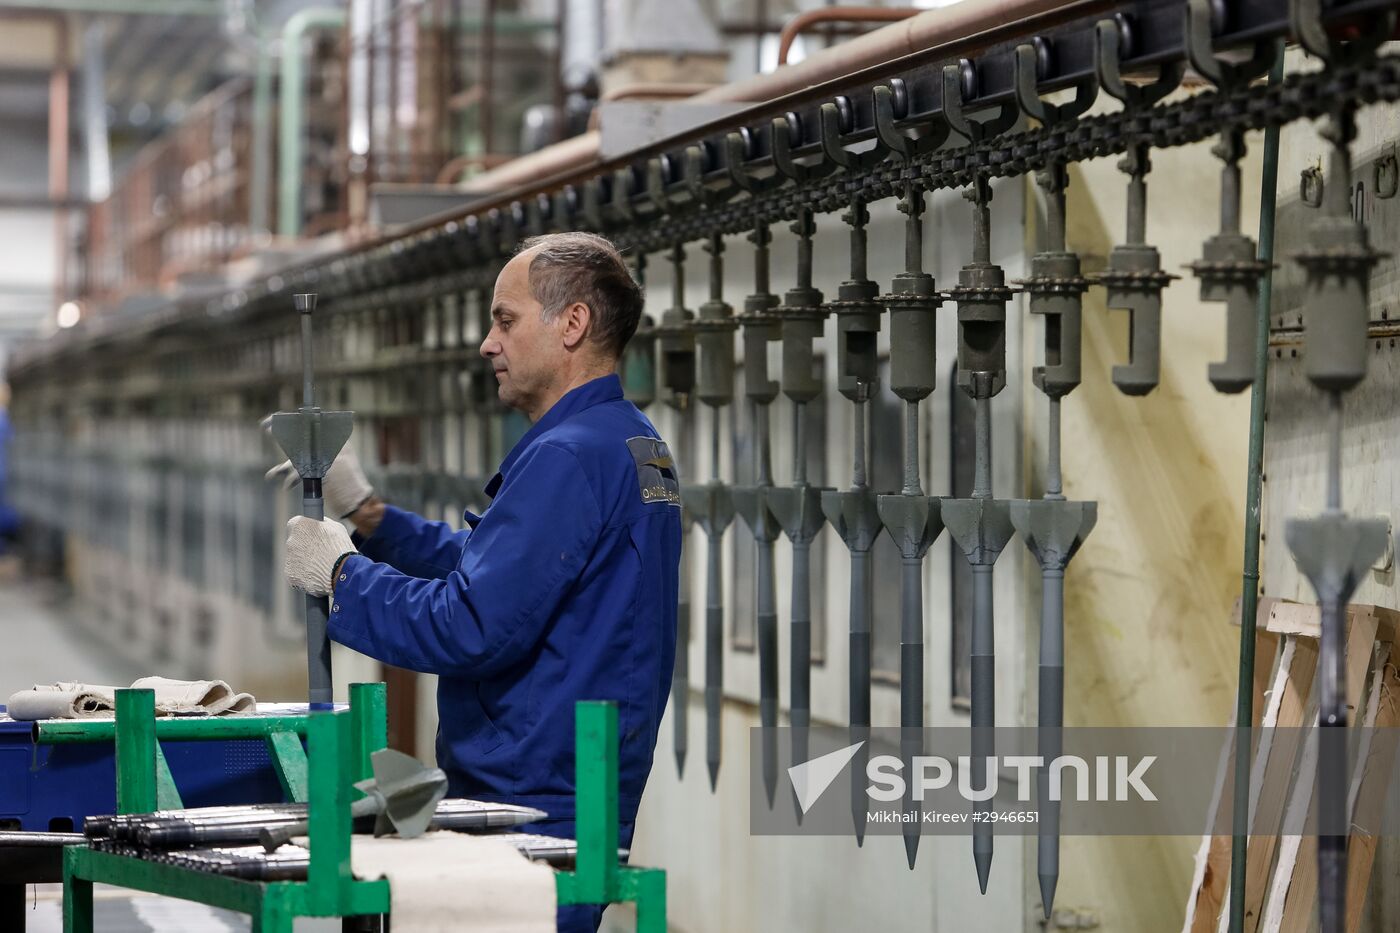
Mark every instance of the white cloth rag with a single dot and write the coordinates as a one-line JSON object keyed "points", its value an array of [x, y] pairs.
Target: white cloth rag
{"points": [[62, 701], [446, 881], [195, 697], [95, 701]]}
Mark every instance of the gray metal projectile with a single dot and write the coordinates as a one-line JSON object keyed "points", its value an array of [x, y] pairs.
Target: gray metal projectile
{"points": [[402, 796], [711, 504], [1333, 550], [980, 525], [311, 438], [1053, 528]]}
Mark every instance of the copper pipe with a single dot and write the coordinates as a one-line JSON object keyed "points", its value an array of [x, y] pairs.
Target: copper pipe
{"points": [[449, 172], [959, 28], [577, 152], [838, 14], [655, 90]]}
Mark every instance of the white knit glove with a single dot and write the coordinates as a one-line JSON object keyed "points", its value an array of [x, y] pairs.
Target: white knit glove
{"points": [[344, 487], [312, 551]]}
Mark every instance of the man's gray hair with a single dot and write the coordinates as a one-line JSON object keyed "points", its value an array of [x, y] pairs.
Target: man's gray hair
{"points": [[587, 268]]}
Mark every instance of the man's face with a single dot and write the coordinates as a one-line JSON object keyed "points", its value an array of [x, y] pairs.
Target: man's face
{"points": [[527, 354]]}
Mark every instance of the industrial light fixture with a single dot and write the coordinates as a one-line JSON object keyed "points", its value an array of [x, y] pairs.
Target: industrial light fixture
{"points": [[68, 314]]}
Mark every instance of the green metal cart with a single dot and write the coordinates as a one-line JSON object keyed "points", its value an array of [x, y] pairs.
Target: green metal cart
{"points": [[340, 744]]}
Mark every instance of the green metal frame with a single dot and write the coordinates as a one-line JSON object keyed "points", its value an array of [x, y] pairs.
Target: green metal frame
{"points": [[340, 746], [597, 878], [142, 769]]}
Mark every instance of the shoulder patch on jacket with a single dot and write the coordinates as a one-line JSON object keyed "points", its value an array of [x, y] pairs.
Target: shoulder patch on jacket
{"points": [[656, 470]]}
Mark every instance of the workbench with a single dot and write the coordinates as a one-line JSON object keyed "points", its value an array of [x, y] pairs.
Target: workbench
{"points": [[56, 773], [339, 746]]}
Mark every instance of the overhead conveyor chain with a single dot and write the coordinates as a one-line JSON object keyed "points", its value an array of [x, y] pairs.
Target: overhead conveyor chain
{"points": [[700, 196]]}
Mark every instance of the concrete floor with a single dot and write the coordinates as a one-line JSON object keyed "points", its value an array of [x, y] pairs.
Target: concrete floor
{"points": [[119, 911]]}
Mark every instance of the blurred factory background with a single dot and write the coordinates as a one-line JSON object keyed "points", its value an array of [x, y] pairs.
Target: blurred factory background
{"points": [[162, 160]]}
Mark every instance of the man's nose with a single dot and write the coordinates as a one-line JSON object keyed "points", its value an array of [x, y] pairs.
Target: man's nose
{"points": [[490, 347]]}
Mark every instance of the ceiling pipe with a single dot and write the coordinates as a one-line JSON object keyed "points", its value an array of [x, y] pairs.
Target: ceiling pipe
{"points": [[915, 34], [838, 14], [653, 90], [289, 123], [455, 167]]}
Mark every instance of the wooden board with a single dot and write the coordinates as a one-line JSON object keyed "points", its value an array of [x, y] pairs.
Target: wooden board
{"points": [[1282, 870], [1289, 618], [1375, 780], [1288, 704], [1213, 862], [1301, 904]]}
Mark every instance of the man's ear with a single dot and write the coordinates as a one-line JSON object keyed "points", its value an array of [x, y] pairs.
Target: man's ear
{"points": [[578, 317]]}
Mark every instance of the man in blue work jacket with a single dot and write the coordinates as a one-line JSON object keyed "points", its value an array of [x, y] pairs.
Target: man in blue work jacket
{"points": [[564, 589]]}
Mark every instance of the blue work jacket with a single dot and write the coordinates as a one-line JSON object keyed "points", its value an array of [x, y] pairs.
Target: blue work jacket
{"points": [[563, 589]]}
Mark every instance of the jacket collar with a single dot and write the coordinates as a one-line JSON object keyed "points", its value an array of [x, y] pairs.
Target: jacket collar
{"points": [[594, 392]]}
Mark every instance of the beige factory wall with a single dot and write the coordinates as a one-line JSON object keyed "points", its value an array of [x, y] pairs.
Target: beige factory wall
{"points": [[1149, 599], [1149, 596]]}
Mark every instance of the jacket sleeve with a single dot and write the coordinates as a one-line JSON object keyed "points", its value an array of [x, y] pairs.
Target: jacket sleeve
{"points": [[413, 545], [516, 568]]}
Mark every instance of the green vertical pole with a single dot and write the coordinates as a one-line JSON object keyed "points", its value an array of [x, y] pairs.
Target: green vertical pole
{"points": [[289, 761], [136, 751], [370, 729], [260, 175], [289, 126], [77, 896], [167, 794], [1249, 584], [328, 737], [595, 817], [651, 902]]}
